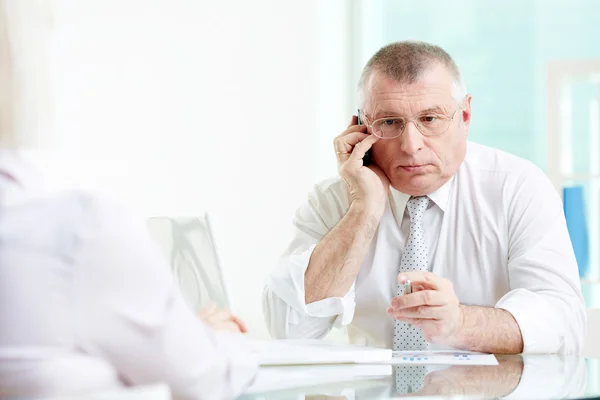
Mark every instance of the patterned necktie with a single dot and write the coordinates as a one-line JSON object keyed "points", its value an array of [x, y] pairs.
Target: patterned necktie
{"points": [[410, 378]]}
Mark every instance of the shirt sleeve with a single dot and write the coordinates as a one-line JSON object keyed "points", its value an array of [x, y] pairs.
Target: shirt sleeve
{"points": [[130, 311], [286, 313], [545, 297]]}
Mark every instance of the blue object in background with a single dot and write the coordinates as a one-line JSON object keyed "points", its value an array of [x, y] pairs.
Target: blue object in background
{"points": [[574, 208]]}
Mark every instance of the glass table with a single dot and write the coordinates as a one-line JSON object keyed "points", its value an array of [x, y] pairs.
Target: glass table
{"points": [[516, 377]]}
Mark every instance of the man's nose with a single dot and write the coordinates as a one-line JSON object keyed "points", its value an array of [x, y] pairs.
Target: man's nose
{"points": [[411, 139]]}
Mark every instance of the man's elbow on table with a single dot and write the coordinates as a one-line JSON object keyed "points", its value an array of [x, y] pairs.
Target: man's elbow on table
{"points": [[548, 323], [275, 312], [283, 322]]}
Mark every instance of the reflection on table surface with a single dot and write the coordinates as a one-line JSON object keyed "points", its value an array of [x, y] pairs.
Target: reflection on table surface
{"points": [[516, 377]]}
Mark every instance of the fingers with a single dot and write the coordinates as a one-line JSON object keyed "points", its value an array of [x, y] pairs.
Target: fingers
{"points": [[345, 144], [421, 298], [347, 139], [226, 316], [362, 147], [350, 139], [224, 325], [425, 279], [421, 312], [241, 324], [227, 326], [352, 129], [222, 319], [417, 288], [209, 310], [353, 140], [222, 315]]}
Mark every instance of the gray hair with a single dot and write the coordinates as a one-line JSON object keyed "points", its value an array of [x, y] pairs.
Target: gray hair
{"points": [[406, 61]]}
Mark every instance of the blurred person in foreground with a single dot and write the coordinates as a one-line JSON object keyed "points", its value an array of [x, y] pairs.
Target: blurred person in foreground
{"points": [[87, 303], [480, 233]]}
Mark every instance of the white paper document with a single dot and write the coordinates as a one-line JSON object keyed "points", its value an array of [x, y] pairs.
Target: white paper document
{"points": [[314, 351], [443, 358], [285, 377]]}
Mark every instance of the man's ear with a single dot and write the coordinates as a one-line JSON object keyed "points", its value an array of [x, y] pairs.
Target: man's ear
{"points": [[466, 112]]}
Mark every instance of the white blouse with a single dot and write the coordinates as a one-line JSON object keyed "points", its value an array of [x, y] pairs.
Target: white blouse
{"points": [[87, 303]]}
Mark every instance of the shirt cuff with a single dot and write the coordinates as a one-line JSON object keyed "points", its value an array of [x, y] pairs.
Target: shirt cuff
{"points": [[341, 307], [287, 282], [541, 328]]}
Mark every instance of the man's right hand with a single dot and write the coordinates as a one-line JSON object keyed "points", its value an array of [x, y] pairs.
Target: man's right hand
{"points": [[335, 262], [368, 186]]}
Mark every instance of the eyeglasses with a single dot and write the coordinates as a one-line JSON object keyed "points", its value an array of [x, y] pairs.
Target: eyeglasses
{"points": [[429, 124]]}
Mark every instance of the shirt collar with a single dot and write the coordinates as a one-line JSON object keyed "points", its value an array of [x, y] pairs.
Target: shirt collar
{"points": [[440, 197], [398, 200]]}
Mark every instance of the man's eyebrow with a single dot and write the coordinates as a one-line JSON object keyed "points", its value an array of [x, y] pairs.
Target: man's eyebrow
{"points": [[385, 113], [437, 109]]}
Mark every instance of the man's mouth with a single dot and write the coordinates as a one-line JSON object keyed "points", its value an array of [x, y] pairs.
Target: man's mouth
{"points": [[414, 167]]}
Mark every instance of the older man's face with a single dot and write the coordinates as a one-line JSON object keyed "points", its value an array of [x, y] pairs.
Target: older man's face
{"points": [[414, 163]]}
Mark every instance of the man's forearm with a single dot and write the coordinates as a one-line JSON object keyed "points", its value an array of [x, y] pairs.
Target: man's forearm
{"points": [[336, 260], [488, 330]]}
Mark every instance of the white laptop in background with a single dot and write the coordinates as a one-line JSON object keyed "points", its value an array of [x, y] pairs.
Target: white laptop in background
{"points": [[188, 246]]}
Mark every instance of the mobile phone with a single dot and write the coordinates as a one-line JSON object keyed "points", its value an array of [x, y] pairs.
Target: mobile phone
{"points": [[368, 158]]}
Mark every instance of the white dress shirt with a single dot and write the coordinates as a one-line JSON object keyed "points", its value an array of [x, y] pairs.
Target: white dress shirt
{"points": [[87, 303], [496, 230]]}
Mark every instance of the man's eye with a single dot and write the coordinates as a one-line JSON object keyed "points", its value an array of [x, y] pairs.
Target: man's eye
{"points": [[429, 118], [391, 122]]}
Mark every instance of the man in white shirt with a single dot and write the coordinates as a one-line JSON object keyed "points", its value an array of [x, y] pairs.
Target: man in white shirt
{"points": [[480, 233]]}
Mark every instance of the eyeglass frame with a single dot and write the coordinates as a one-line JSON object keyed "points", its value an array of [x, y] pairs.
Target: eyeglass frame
{"points": [[407, 121]]}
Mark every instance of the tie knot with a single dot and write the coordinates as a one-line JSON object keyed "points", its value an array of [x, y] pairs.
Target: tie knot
{"points": [[416, 207]]}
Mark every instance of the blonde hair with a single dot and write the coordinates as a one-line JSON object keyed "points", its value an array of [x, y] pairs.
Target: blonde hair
{"points": [[24, 89], [7, 111]]}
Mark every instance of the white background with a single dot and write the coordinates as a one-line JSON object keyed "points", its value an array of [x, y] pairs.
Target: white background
{"points": [[183, 106]]}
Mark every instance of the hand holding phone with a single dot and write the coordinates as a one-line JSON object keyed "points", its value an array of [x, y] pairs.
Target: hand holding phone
{"points": [[368, 158], [367, 185]]}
